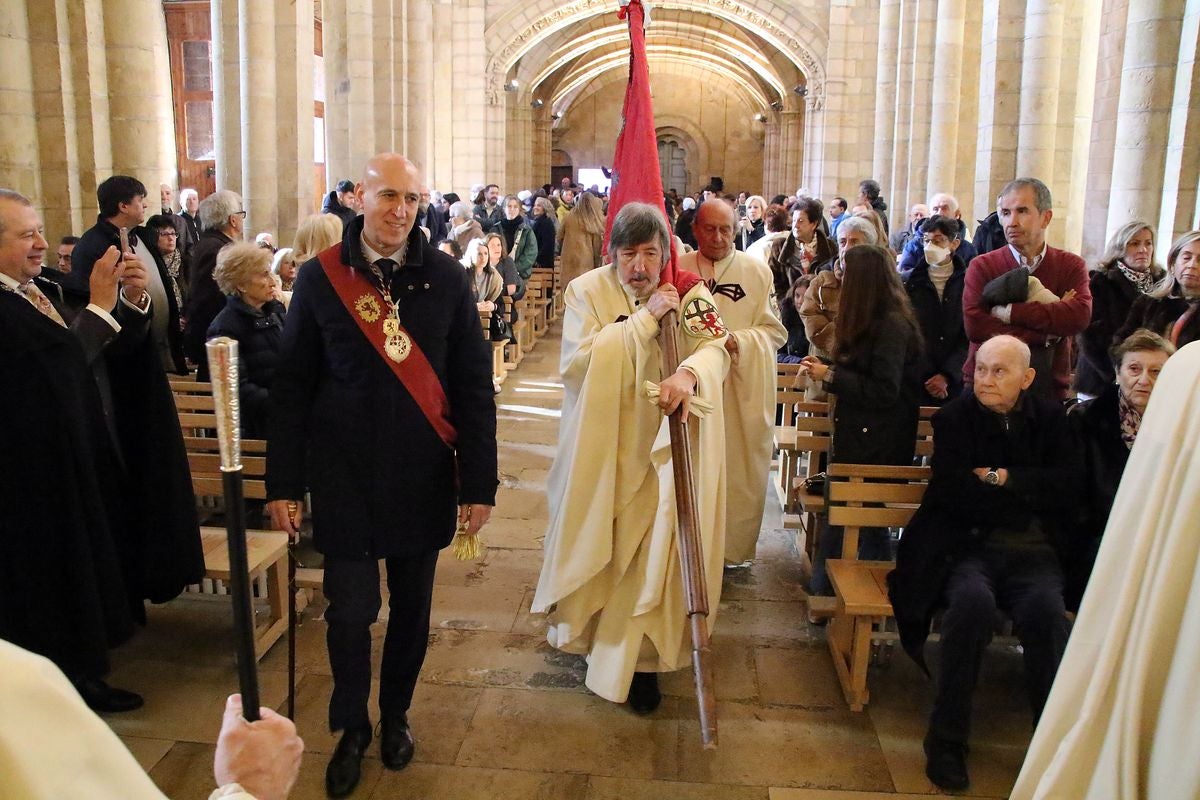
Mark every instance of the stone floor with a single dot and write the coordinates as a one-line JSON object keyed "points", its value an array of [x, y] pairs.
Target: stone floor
{"points": [[498, 713]]}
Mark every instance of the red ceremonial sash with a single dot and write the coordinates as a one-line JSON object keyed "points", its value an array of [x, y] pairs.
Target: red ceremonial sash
{"points": [[415, 372]]}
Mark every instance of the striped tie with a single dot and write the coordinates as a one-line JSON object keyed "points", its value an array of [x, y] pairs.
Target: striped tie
{"points": [[42, 303]]}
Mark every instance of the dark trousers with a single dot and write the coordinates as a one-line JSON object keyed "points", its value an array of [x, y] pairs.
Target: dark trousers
{"points": [[352, 588], [1027, 584]]}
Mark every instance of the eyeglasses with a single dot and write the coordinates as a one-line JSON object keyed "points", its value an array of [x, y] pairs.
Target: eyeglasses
{"points": [[241, 214], [171, 232]]}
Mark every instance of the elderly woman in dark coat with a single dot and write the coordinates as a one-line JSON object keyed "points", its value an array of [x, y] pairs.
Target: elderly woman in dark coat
{"points": [[1172, 308], [253, 315], [875, 375], [1107, 427], [1125, 273]]}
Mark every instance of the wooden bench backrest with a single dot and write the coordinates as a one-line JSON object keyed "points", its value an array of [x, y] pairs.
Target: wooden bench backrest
{"points": [[198, 419], [872, 496]]}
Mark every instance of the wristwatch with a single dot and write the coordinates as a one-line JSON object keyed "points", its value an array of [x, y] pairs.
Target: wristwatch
{"points": [[992, 478]]}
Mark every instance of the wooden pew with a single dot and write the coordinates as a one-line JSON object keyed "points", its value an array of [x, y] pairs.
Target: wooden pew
{"points": [[267, 550], [864, 496]]}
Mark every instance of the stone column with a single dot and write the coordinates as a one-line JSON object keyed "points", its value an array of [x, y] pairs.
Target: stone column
{"points": [[1181, 184], [791, 156], [1079, 127], [519, 143], [260, 142], [896, 187], [464, 134], [922, 100], [357, 71], [419, 71], [885, 91], [999, 101], [293, 159], [1040, 74], [968, 113], [772, 180], [19, 167], [226, 80], [1148, 78], [1107, 91], [542, 144], [947, 89], [140, 118]]}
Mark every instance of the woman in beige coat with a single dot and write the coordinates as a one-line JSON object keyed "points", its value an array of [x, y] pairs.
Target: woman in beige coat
{"points": [[581, 234]]}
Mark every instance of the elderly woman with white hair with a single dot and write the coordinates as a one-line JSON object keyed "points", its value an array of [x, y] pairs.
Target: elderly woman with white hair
{"points": [[819, 309], [253, 315], [463, 226]]}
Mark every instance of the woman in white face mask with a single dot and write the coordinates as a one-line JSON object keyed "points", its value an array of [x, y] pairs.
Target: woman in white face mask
{"points": [[935, 289]]}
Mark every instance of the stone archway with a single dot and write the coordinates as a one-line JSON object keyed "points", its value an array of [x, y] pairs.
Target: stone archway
{"points": [[793, 35]]}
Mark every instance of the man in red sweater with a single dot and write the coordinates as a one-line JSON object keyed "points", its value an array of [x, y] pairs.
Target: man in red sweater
{"points": [[1048, 328]]}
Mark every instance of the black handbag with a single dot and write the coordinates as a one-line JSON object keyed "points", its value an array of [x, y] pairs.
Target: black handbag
{"points": [[498, 328]]}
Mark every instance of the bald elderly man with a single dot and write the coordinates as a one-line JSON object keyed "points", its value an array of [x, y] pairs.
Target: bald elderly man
{"points": [[991, 533], [940, 205], [383, 409], [742, 286]]}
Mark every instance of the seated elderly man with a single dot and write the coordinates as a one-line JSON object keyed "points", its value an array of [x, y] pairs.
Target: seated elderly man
{"points": [[610, 579], [992, 533]]}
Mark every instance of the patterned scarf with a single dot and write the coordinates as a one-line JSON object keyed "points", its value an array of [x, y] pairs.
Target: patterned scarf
{"points": [[1142, 280], [1131, 420]]}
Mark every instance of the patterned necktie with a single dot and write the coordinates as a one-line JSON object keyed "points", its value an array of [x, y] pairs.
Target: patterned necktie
{"points": [[386, 267], [42, 303]]}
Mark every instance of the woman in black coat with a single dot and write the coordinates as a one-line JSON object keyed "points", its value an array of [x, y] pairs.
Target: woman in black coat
{"points": [[1107, 427], [1126, 272], [935, 288], [544, 221], [874, 375], [253, 315]]}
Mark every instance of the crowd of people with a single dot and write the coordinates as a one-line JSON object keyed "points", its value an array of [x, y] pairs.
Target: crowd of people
{"points": [[1042, 369]]}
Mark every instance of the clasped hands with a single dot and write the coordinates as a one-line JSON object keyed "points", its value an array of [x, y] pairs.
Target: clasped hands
{"points": [[814, 368]]}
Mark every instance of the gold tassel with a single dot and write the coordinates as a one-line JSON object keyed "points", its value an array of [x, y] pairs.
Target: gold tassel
{"points": [[466, 547]]}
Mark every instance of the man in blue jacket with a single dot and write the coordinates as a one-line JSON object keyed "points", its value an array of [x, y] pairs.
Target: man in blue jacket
{"points": [[382, 407]]}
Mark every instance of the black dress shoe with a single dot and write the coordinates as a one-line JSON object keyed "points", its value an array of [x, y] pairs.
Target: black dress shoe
{"points": [[946, 763], [345, 767], [644, 695], [396, 742], [105, 699]]}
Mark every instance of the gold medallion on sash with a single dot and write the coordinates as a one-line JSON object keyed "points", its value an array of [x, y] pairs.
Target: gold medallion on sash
{"points": [[397, 345]]}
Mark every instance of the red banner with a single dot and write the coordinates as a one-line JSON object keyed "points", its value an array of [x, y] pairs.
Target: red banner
{"points": [[635, 171]]}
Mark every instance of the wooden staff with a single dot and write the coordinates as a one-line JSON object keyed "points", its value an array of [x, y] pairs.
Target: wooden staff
{"points": [[691, 550], [223, 367]]}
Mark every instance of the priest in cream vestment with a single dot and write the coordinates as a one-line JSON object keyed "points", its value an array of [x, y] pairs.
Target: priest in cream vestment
{"points": [[611, 580], [741, 285], [1121, 721]]}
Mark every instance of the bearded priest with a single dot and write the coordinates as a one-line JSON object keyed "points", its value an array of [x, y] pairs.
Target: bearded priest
{"points": [[611, 580]]}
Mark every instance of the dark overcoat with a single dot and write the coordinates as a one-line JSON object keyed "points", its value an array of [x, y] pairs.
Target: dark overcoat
{"points": [[875, 417], [1036, 445], [1112, 297], [941, 321], [1160, 316], [160, 521], [259, 333], [343, 426], [62, 587], [205, 300]]}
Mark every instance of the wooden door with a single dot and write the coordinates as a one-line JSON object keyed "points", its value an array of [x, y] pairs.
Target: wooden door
{"points": [[189, 43]]}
